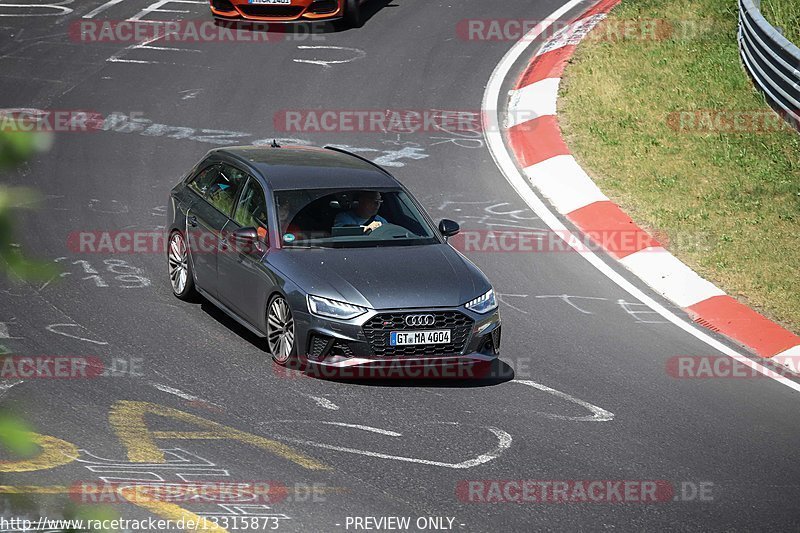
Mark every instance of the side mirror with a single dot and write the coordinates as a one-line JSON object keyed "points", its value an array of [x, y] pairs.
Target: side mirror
{"points": [[449, 227], [246, 240]]}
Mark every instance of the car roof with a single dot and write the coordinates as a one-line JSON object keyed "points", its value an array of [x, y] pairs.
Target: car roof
{"points": [[308, 167]]}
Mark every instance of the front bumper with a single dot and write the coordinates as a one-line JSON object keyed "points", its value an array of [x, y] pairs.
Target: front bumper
{"points": [[362, 343], [297, 11]]}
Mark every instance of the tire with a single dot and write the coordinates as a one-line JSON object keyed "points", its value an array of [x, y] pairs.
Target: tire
{"points": [[181, 276], [281, 341], [352, 14]]}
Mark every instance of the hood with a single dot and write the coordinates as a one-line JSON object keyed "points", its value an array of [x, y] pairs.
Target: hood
{"points": [[432, 275]]}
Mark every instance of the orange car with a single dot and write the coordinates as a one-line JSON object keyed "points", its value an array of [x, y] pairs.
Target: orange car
{"points": [[289, 10]]}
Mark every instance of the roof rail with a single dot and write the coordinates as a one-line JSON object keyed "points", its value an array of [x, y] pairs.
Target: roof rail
{"points": [[343, 151]]}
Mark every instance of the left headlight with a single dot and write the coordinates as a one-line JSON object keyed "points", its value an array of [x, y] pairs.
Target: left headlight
{"points": [[333, 309], [483, 303]]}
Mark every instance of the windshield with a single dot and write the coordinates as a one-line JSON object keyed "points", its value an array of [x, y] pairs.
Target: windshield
{"points": [[350, 218]]}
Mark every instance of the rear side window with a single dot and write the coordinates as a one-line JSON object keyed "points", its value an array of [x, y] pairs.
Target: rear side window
{"points": [[203, 180], [225, 187]]}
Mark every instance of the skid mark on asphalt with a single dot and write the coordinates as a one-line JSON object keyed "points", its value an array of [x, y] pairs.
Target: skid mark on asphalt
{"points": [[598, 414]]}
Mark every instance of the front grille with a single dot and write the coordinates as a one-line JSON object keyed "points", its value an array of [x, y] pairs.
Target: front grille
{"points": [[324, 6], [378, 327], [254, 10]]}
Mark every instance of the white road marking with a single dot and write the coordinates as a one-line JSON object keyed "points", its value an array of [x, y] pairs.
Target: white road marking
{"points": [[568, 299], [507, 166], [52, 329], [188, 95], [93, 13], [324, 402], [167, 49], [179, 393], [4, 332], [371, 429], [504, 442], [359, 54], [598, 414], [5, 387], [155, 7], [57, 6]]}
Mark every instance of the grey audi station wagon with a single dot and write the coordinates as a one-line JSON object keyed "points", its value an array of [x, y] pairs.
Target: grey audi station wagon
{"points": [[330, 258]]}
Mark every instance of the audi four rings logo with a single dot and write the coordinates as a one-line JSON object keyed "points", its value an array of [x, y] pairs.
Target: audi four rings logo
{"points": [[420, 320]]}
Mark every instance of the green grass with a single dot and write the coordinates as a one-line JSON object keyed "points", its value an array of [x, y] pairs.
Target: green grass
{"points": [[728, 203], [784, 14]]}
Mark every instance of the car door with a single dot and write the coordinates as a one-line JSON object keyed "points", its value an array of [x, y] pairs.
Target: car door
{"points": [[206, 219], [244, 280]]}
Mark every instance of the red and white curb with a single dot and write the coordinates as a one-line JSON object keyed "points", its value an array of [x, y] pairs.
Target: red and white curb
{"points": [[533, 134]]}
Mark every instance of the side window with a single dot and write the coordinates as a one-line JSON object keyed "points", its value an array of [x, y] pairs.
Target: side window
{"points": [[223, 190], [252, 208], [204, 179]]}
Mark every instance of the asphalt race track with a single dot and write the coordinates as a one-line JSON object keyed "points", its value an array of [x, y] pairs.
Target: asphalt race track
{"points": [[585, 393]]}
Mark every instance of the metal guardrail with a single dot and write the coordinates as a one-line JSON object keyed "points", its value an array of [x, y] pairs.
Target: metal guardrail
{"points": [[772, 61]]}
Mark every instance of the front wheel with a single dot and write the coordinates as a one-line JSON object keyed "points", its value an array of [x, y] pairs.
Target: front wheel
{"points": [[352, 14], [280, 331]]}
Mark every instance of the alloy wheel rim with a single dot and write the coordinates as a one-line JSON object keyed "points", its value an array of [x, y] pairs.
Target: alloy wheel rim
{"points": [[178, 264], [280, 330]]}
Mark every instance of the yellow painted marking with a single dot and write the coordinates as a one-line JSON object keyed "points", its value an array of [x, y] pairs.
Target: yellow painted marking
{"points": [[127, 419], [34, 489], [55, 452], [139, 496]]}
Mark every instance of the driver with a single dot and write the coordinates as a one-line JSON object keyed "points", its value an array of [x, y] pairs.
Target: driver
{"points": [[366, 211]]}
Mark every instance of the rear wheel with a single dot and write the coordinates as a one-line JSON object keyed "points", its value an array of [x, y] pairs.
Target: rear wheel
{"points": [[180, 268], [280, 331], [352, 14]]}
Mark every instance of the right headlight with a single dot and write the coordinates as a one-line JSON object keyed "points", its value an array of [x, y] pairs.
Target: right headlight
{"points": [[334, 309], [484, 303]]}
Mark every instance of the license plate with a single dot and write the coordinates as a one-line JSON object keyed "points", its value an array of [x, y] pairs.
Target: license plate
{"points": [[406, 338], [282, 2]]}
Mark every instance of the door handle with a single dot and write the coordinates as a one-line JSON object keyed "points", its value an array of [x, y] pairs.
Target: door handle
{"points": [[192, 221]]}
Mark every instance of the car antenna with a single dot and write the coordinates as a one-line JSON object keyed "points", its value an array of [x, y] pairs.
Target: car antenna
{"points": [[275, 144]]}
